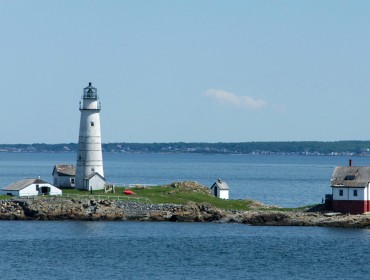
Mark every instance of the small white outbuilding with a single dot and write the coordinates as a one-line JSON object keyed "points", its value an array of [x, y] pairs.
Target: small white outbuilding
{"points": [[94, 181], [220, 189], [31, 187]]}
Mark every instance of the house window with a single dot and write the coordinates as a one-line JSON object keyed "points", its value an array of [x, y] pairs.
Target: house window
{"points": [[340, 192], [37, 188], [354, 192], [72, 180], [350, 177]]}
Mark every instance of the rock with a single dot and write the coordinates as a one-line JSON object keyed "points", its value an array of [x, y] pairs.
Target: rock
{"points": [[69, 209], [190, 186]]}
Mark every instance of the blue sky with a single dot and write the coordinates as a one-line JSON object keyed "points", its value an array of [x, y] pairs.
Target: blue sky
{"points": [[208, 71]]}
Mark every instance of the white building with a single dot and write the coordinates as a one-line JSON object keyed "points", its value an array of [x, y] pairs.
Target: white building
{"points": [[220, 189], [93, 181], [31, 187], [351, 189], [89, 151], [64, 175]]}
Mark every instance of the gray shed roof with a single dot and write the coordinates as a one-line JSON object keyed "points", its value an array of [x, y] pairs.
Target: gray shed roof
{"points": [[21, 184], [220, 184], [351, 176], [65, 169], [93, 174]]}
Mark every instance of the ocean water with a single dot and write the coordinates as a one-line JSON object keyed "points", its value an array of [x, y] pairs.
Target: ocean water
{"points": [[288, 181], [145, 250], [157, 250]]}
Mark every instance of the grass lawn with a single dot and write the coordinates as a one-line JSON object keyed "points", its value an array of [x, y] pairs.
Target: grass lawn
{"points": [[167, 194]]}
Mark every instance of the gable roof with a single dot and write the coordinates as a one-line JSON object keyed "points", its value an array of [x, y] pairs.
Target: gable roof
{"points": [[93, 174], [21, 184], [351, 176], [65, 169], [220, 184]]}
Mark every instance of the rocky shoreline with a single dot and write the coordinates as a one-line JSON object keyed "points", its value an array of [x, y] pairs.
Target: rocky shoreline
{"points": [[57, 208]]}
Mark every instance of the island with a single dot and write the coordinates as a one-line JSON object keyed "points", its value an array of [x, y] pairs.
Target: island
{"points": [[177, 202]]}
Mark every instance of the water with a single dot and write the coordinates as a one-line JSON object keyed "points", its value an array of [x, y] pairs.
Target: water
{"points": [[134, 250], [148, 250], [288, 181]]}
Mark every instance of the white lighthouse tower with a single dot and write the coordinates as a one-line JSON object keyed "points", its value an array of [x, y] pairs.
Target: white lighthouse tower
{"points": [[89, 167]]}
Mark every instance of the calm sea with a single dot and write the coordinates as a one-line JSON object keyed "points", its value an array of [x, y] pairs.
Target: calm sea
{"points": [[148, 250], [145, 250]]}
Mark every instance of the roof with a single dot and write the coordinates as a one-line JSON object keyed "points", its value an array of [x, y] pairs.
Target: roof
{"points": [[65, 169], [20, 185], [351, 176], [220, 184], [93, 174]]}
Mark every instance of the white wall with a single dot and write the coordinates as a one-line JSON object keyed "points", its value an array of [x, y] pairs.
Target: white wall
{"points": [[96, 182], [348, 193], [63, 181], [31, 190], [28, 191], [224, 194], [89, 151], [53, 190]]}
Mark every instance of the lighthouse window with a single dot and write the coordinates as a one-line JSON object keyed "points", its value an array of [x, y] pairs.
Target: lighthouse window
{"points": [[340, 192], [92, 123], [354, 192], [92, 169]]}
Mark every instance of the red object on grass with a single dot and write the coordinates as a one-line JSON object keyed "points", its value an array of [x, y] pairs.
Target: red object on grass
{"points": [[128, 192]]}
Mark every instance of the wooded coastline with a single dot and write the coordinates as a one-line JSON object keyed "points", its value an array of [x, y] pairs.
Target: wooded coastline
{"points": [[333, 148]]}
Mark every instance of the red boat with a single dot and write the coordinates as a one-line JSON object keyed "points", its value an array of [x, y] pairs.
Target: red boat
{"points": [[128, 192]]}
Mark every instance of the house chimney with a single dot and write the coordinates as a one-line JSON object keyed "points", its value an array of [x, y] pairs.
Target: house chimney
{"points": [[350, 162]]}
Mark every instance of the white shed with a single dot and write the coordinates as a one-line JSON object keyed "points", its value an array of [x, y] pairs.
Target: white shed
{"points": [[31, 187], [220, 189], [94, 181], [64, 175]]}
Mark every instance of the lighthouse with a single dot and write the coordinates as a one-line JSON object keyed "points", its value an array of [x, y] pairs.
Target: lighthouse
{"points": [[89, 167]]}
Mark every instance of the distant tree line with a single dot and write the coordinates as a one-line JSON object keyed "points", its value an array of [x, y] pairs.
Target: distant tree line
{"points": [[295, 147]]}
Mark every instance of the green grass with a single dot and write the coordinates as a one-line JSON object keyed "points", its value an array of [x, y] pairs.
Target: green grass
{"points": [[167, 194]]}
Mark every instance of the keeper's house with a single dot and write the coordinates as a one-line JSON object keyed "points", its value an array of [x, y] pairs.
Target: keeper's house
{"points": [[64, 175], [31, 187], [351, 189]]}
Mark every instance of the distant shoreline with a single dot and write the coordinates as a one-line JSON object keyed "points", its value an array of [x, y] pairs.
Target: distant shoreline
{"points": [[310, 148]]}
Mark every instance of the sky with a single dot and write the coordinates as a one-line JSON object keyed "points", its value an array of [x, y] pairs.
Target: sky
{"points": [[186, 71]]}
